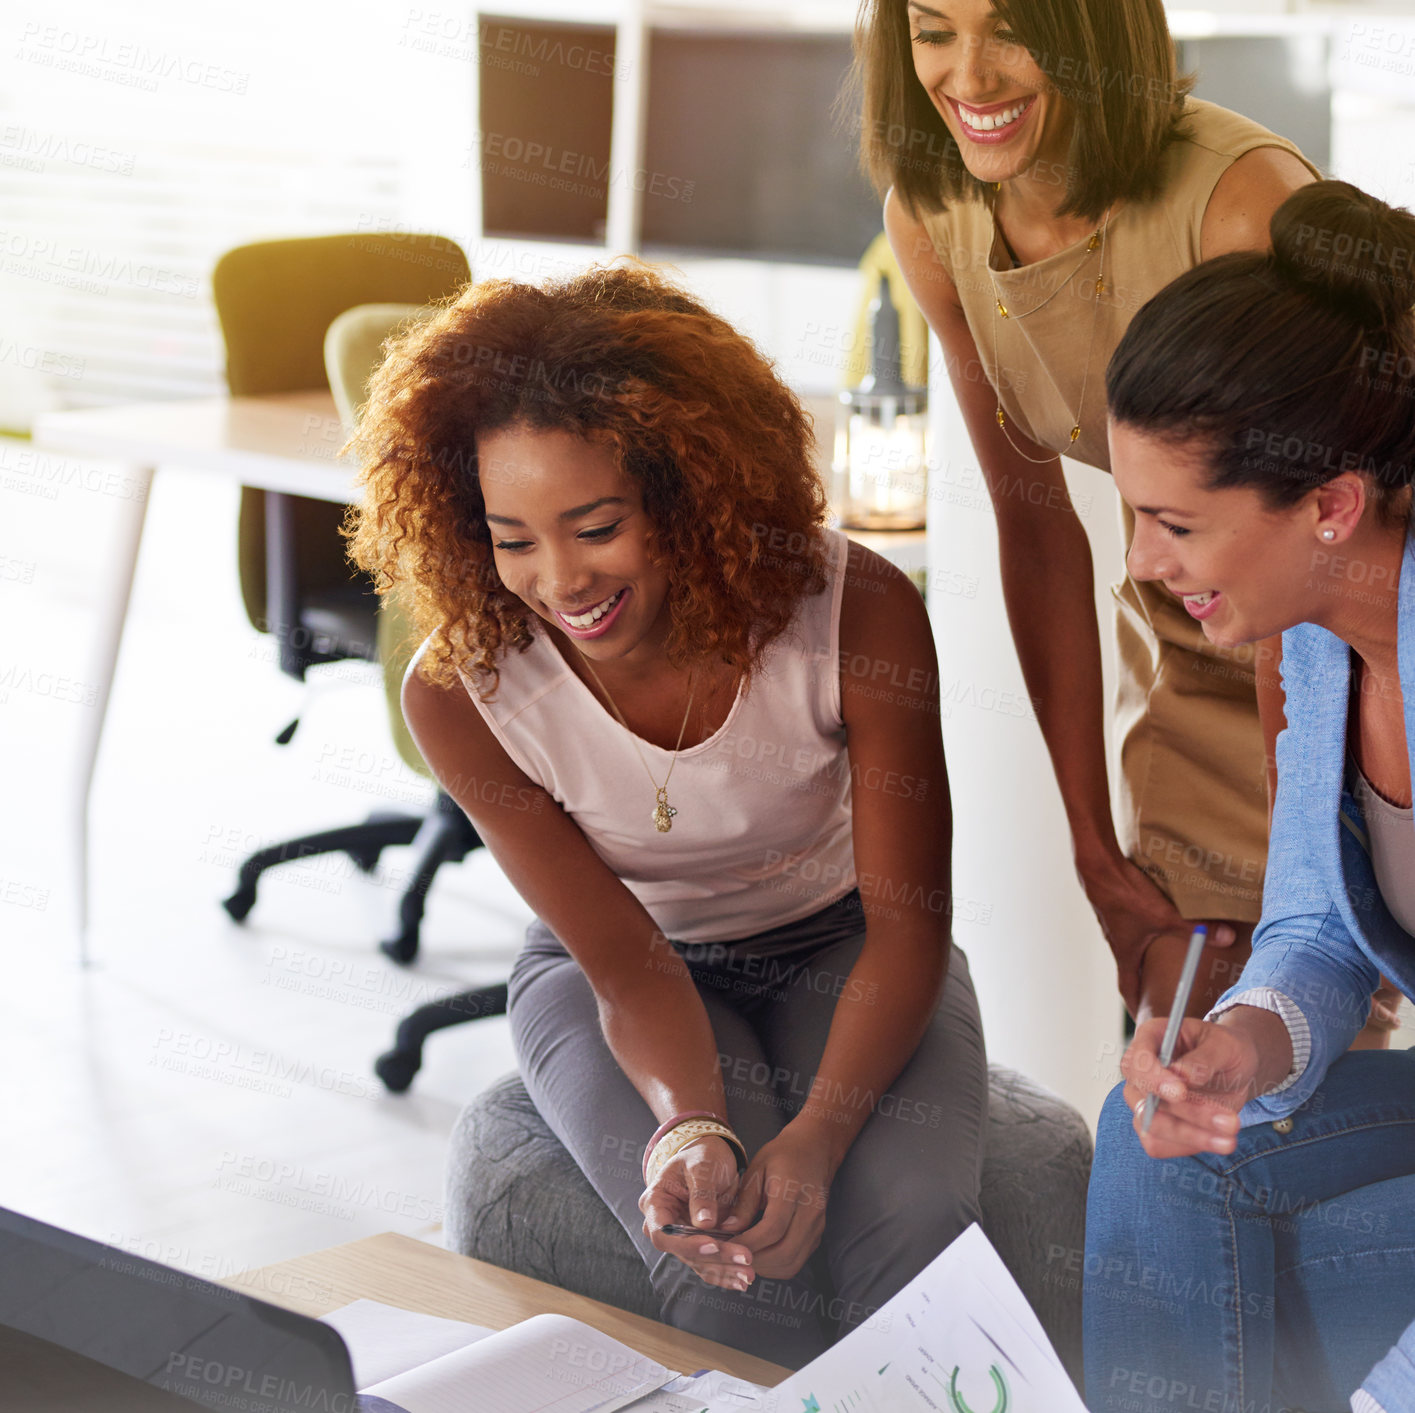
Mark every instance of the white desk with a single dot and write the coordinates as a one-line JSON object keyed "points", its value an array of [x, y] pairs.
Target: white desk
{"points": [[284, 442]]}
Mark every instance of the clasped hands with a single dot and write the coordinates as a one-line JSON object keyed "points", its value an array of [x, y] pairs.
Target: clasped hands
{"points": [[764, 1222]]}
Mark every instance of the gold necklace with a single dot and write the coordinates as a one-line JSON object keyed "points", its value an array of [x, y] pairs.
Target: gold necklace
{"points": [[1096, 242], [663, 812]]}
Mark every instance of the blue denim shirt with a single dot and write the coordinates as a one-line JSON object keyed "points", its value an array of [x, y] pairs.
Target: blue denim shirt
{"points": [[1326, 934]]}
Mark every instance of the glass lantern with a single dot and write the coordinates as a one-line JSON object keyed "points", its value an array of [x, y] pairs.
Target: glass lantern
{"points": [[881, 448]]}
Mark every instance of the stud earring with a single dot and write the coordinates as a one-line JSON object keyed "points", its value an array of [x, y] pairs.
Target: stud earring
{"points": [[1329, 534]]}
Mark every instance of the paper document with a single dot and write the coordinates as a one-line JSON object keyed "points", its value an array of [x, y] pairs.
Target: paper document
{"points": [[384, 1340], [960, 1337], [708, 1392], [665, 1402], [547, 1364]]}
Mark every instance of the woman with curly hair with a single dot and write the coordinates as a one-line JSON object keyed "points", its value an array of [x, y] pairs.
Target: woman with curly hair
{"points": [[700, 733]]}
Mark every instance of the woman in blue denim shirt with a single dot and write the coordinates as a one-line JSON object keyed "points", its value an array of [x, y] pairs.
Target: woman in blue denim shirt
{"points": [[1256, 1249]]}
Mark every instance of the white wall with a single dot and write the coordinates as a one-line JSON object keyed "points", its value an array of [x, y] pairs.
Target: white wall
{"points": [[1045, 980]]}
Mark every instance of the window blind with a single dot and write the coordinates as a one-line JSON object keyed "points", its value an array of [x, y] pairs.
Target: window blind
{"points": [[139, 142]]}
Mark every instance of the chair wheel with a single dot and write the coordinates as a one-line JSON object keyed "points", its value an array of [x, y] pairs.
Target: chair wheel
{"points": [[403, 949], [396, 1069], [239, 903]]}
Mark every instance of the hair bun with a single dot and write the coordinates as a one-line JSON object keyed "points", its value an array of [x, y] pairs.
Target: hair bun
{"points": [[1348, 249]]}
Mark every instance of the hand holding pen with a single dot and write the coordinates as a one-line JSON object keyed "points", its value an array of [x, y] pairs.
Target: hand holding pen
{"points": [[1203, 1091], [1180, 1004]]}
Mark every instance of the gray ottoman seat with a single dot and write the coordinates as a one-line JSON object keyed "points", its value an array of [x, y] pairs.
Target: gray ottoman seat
{"points": [[516, 1198]]}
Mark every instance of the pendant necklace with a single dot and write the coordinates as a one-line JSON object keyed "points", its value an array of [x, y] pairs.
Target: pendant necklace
{"points": [[1001, 311], [663, 812]]}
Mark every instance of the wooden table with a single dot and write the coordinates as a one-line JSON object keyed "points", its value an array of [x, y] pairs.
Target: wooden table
{"points": [[399, 1270]]}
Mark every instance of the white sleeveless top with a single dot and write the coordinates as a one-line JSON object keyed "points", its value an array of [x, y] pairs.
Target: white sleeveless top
{"points": [[762, 835]]}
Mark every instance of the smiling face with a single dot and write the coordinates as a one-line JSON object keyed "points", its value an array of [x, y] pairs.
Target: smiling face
{"points": [[996, 101], [1243, 570], [572, 541]]}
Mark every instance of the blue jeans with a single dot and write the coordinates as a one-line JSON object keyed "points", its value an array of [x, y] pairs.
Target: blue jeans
{"points": [[1273, 1277]]}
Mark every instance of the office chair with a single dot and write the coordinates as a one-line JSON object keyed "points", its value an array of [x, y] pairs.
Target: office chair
{"points": [[275, 301], [353, 349]]}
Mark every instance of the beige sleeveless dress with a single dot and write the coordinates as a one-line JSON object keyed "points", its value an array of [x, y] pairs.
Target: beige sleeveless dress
{"points": [[1193, 793]]}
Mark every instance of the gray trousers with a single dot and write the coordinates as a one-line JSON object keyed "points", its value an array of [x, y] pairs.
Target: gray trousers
{"points": [[907, 1187]]}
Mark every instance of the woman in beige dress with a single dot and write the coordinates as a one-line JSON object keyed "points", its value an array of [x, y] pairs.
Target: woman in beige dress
{"points": [[1046, 172]]}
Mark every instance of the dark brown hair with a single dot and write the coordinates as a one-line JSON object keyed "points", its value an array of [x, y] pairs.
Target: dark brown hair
{"points": [[1292, 366], [1113, 61], [718, 445]]}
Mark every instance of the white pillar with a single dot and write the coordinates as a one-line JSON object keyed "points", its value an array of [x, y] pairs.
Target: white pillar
{"points": [[626, 144], [1044, 976]]}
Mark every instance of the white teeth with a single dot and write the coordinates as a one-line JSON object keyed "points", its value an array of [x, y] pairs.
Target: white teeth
{"points": [[588, 620], [1199, 600], [987, 122]]}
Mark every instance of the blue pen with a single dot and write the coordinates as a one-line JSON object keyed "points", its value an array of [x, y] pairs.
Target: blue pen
{"points": [[1197, 938]]}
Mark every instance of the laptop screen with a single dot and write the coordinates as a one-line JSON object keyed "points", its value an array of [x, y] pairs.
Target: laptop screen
{"points": [[215, 1346]]}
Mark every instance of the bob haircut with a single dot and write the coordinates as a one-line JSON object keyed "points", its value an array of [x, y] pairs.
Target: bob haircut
{"points": [[695, 415], [1113, 61]]}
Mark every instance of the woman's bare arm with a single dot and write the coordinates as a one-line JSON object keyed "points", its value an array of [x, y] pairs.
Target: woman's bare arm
{"points": [[652, 1017], [1048, 585], [902, 831]]}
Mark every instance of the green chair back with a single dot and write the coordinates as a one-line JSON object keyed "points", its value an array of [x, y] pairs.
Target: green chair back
{"points": [[275, 300], [353, 349], [397, 642]]}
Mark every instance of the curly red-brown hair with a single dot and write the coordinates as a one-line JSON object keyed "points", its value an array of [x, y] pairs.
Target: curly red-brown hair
{"points": [[695, 414]]}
